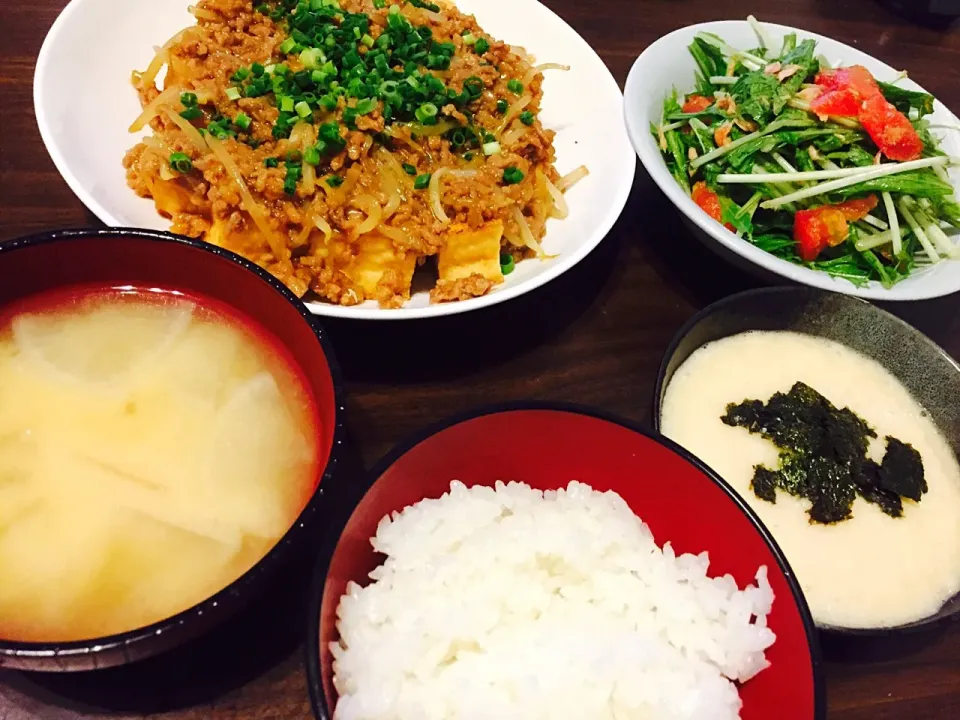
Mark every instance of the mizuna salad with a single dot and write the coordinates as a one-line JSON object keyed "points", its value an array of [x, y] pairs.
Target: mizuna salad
{"points": [[826, 167]]}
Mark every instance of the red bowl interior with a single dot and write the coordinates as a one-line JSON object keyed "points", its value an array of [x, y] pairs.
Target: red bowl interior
{"points": [[677, 497], [150, 259]]}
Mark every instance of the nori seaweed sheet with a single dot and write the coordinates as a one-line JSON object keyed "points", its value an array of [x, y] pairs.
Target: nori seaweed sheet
{"points": [[823, 456]]}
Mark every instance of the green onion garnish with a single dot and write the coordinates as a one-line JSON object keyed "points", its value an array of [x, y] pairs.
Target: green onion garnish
{"points": [[512, 175], [188, 99], [469, 38], [287, 45], [421, 182], [311, 156], [515, 86], [334, 181], [242, 121], [527, 117], [482, 46], [506, 263], [379, 4], [192, 113], [286, 104], [240, 75], [181, 162], [303, 109], [271, 162], [257, 69], [491, 148], [426, 114], [502, 106], [409, 169], [232, 93]]}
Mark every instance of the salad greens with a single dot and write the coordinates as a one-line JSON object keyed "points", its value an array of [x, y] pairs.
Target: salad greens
{"points": [[765, 146]]}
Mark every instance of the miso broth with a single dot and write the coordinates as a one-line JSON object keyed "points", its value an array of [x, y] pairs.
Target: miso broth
{"points": [[153, 447]]}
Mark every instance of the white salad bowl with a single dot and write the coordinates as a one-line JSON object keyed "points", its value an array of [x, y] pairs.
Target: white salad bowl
{"points": [[84, 126], [667, 65]]}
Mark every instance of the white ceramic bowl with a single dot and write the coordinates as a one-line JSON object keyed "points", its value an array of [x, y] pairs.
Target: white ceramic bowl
{"points": [[84, 104], [667, 64]]}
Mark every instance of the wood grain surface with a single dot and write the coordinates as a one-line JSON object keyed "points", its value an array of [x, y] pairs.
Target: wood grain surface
{"points": [[594, 336]]}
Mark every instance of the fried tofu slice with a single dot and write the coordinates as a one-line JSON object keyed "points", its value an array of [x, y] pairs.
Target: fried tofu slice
{"points": [[470, 252]]}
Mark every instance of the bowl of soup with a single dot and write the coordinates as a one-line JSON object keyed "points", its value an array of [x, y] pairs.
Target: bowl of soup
{"points": [[169, 419], [838, 424]]}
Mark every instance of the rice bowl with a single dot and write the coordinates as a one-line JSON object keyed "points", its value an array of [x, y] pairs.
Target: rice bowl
{"points": [[542, 605]]}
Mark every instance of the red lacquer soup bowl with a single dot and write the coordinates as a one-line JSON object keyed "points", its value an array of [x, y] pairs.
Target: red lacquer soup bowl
{"points": [[547, 446], [53, 262]]}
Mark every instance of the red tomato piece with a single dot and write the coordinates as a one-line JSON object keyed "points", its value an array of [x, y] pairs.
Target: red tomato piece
{"points": [[890, 129], [858, 208], [708, 201], [696, 103], [815, 229], [844, 103], [856, 78]]}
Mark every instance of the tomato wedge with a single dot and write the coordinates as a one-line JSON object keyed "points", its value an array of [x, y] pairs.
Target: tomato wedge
{"points": [[855, 78], [814, 230], [890, 129], [708, 201], [696, 103], [843, 103], [858, 208], [826, 226]]}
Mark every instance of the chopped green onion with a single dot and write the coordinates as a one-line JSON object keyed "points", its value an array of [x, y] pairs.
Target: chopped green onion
{"points": [[335, 180], [287, 104], [491, 148], [366, 41], [366, 106], [482, 46], [181, 162], [409, 169], [502, 106], [240, 75], [512, 175], [527, 117], [506, 263], [303, 109], [468, 156], [515, 86], [311, 156], [242, 121], [257, 69], [425, 113], [233, 93], [192, 113], [271, 162], [188, 99], [312, 58], [379, 4], [421, 182], [469, 38], [287, 45]]}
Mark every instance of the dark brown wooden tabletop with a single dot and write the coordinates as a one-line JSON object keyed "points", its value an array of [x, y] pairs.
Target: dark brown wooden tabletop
{"points": [[594, 336]]}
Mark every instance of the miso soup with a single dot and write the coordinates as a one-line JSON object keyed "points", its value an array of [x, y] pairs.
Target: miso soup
{"points": [[154, 446]]}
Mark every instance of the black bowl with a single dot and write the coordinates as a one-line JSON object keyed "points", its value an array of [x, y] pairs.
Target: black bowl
{"points": [[922, 366], [140, 257]]}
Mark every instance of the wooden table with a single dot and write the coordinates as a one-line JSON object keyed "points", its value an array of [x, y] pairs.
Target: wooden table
{"points": [[597, 338]]}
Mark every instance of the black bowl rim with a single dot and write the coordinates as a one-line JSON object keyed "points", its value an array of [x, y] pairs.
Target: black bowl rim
{"points": [[313, 649], [700, 315], [234, 594]]}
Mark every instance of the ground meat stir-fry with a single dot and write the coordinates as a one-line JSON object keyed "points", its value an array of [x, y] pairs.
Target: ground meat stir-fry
{"points": [[343, 145]]}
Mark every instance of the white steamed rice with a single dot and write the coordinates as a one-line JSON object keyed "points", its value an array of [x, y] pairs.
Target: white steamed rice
{"points": [[509, 603]]}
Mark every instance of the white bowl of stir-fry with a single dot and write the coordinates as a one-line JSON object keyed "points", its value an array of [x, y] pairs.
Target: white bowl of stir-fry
{"points": [[385, 159], [801, 157]]}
